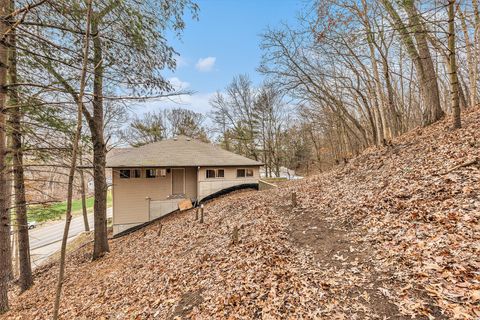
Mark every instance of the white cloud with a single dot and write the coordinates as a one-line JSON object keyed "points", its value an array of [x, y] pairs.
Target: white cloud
{"points": [[198, 102], [178, 84], [205, 64]]}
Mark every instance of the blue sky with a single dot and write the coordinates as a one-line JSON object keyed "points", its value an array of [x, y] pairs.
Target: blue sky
{"points": [[224, 42]]}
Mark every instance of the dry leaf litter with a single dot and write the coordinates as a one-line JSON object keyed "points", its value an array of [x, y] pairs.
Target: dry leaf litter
{"points": [[394, 234]]}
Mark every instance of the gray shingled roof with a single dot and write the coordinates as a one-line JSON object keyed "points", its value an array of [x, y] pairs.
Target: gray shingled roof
{"points": [[177, 152]]}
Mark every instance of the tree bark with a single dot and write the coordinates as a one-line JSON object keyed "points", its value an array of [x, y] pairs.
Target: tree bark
{"points": [[472, 60], [5, 254], [84, 198], [476, 37], [452, 65], [379, 97], [420, 55], [25, 277], [99, 150], [431, 94]]}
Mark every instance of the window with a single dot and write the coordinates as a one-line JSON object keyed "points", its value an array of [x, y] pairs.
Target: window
{"points": [[124, 173], [215, 173], [137, 173], [210, 173], [163, 172], [240, 173], [151, 173]]}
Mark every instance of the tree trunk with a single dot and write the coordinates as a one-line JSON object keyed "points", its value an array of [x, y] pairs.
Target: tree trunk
{"points": [[100, 198], [476, 41], [471, 58], [5, 256], [9, 196], [25, 279], [420, 55], [84, 203], [395, 118], [10, 190], [461, 93], [452, 65], [379, 96], [394, 114], [73, 165], [430, 92], [99, 151], [84, 198]]}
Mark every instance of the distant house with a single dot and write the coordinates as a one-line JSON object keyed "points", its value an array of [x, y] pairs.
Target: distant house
{"points": [[149, 181], [284, 173]]}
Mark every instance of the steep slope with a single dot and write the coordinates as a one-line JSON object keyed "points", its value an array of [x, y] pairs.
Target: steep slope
{"points": [[394, 233]]}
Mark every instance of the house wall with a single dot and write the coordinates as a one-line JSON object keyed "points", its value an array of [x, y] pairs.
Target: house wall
{"points": [[130, 205], [212, 185], [191, 182]]}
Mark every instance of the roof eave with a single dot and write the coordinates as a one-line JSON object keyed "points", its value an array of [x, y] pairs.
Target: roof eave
{"points": [[174, 166]]}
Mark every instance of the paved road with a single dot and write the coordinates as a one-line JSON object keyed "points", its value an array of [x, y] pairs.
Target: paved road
{"points": [[45, 240]]}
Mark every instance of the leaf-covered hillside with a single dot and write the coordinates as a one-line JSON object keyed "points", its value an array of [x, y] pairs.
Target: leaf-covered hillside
{"points": [[393, 234]]}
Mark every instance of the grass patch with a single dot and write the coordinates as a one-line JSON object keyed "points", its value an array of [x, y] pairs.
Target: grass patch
{"points": [[57, 210]]}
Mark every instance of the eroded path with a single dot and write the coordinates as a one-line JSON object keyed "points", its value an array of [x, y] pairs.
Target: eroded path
{"points": [[349, 277]]}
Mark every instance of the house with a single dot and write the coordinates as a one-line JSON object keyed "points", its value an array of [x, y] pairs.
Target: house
{"points": [[284, 173], [149, 181]]}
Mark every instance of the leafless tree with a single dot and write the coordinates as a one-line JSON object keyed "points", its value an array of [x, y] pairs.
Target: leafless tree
{"points": [[367, 71], [73, 165]]}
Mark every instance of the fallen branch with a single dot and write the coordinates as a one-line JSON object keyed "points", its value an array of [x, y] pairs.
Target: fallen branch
{"points": [[463, 165]]}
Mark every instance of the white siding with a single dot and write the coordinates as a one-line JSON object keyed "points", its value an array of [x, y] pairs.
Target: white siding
{"points": [[130, 203], [209, 186]]}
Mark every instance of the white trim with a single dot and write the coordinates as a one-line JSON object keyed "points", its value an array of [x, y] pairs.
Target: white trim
{"points": [[132, 176], [198, 183], [236, 173], [113, 196], [245, 176], [216, 173], [215, 169], [155, 170], [129, 173], [148, 199]]}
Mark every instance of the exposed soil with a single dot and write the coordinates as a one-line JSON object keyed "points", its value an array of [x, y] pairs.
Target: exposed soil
{"points": [[334, 248], [188, 301]]}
